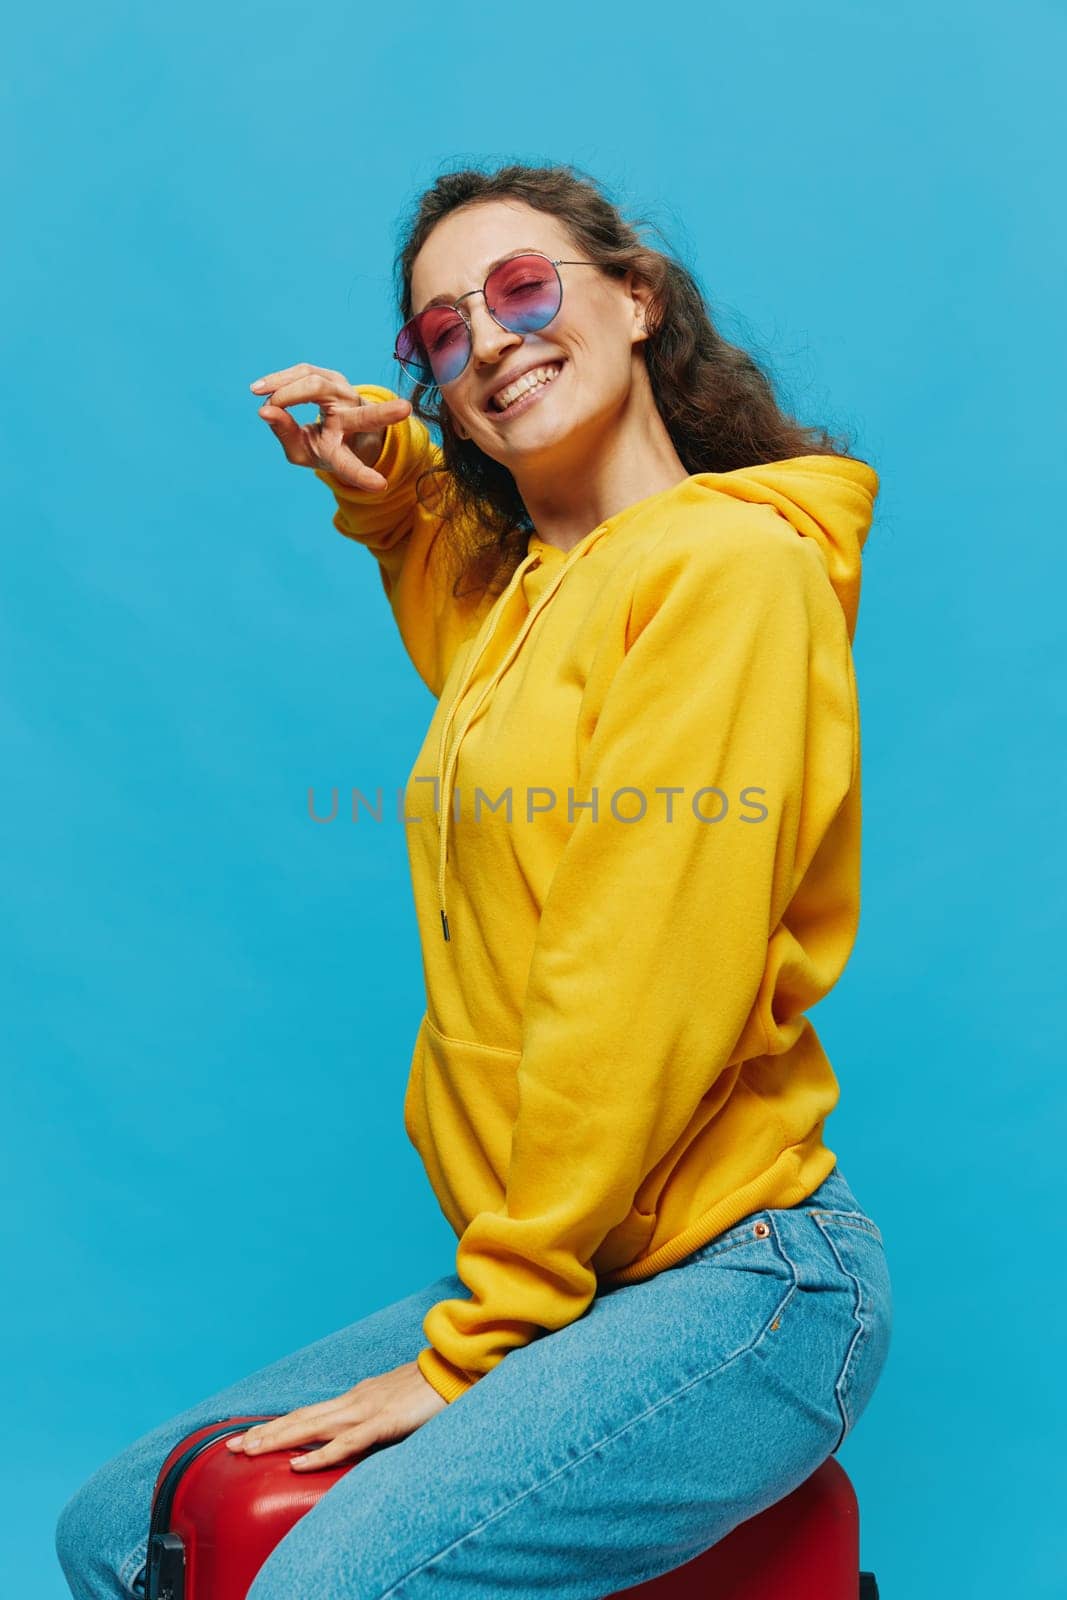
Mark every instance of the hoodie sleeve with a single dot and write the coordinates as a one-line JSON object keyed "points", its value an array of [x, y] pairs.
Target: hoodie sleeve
{"points": [[731, 671], [402, 531]]}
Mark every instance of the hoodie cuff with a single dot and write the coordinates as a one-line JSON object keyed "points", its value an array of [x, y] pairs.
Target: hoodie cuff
{"points": [[441, 1375]]}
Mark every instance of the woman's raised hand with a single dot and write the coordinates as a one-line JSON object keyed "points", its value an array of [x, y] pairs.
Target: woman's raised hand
{"points": [[349, 437]]}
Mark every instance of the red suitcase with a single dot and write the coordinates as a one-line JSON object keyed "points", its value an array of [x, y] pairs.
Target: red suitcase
{"points": [[217, 1515]]}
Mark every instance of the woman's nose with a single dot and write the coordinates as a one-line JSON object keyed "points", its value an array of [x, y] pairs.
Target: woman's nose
{"points": [[489, 340]]}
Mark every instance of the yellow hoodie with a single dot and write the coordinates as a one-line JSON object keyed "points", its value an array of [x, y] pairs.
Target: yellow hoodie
{"points": [[615, 1064]]}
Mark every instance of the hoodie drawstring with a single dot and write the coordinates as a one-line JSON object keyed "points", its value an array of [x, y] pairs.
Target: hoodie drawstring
{"points": [[446, 769]]}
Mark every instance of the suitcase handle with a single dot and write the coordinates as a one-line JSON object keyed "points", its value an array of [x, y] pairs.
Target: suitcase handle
{"points": [[165, 1577]]}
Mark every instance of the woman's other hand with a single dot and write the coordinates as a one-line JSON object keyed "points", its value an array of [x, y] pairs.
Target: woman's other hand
{"points": [[378, 1410], [347, 441]]}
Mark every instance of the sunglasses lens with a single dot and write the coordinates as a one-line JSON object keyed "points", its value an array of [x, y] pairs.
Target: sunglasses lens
{"points": [[434, 346], [524, 293]]}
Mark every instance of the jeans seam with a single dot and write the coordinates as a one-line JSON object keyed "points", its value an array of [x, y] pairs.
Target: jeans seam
{"points": [[132, 1565], [568, 1466], [841, 1387], [851, 1219]]}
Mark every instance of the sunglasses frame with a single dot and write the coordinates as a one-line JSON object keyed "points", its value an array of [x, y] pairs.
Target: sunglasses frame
{"points": [[521, 255]]}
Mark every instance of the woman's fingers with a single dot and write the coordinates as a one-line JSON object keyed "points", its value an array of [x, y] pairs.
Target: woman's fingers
{"points": [[312, 386], [302, 369], [301, 1426], [303, 384], [291, 435], [295, 387], [312, 445], [346, 465], [382, 1408], [346, 419], [342, 1448]]}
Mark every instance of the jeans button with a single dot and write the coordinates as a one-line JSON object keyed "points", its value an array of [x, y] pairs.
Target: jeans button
{"points": [[761, 1230]]}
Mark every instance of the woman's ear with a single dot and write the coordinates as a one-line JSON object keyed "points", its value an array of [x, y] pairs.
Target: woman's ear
{"points": [[641, 294]]}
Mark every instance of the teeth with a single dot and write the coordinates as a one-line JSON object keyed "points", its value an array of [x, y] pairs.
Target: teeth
{"points": [[529, 380]]}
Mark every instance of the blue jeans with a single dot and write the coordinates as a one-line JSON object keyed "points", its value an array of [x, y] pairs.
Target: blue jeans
{"points": [[593, 1459]]}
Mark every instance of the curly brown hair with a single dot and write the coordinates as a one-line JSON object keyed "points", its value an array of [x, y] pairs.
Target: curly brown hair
{"points": [[717, 402]]}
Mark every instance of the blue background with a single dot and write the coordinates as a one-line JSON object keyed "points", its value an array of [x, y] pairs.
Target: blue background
{"points": [[209, 1001]]}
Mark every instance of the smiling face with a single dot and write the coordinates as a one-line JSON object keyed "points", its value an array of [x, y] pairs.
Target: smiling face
{"points": [[589, 352]]}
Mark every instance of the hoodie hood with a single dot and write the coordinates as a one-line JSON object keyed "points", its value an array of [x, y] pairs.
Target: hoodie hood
{"points": [[828, 499]]}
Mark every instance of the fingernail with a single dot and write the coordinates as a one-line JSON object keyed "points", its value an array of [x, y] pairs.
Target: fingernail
{"points": [[260, 383]]}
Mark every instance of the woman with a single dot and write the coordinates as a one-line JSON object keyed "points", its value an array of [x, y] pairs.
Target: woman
{"points": [[631, 582]]}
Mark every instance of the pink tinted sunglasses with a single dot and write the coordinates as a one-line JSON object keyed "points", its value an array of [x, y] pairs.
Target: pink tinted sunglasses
{"points": [[522, 294]]}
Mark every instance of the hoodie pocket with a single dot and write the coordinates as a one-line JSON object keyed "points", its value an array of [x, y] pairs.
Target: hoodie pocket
{"points": [[459, 1112]]}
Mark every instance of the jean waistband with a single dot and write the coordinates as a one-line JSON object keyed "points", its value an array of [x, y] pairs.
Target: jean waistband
{"points": [[833, 1194], [791, 1225]]}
